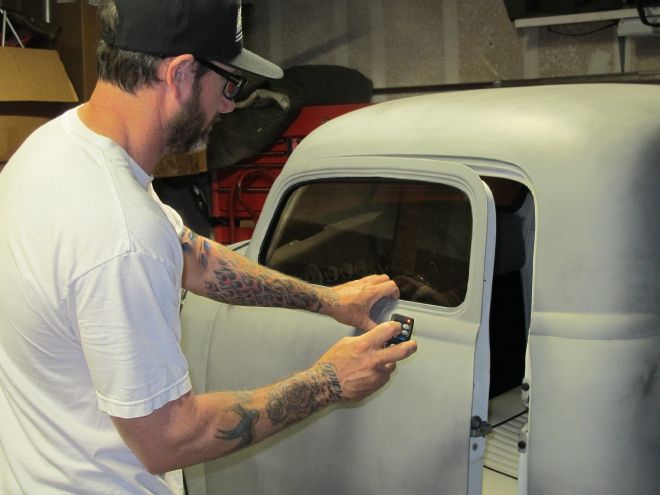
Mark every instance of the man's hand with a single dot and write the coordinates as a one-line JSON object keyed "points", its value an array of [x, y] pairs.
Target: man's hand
{"points": [[361, 364], [351, 303]]}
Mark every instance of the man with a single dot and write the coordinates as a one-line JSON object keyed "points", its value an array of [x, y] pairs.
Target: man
{"points": [[94, 390]]}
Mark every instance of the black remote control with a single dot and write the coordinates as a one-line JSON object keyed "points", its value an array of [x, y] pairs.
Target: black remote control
{"points": [[406, 329]]}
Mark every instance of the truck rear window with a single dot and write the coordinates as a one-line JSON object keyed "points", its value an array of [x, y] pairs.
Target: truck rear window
{"points": [[418, 233]]}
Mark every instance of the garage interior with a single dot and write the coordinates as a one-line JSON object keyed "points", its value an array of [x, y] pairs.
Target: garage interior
{"points": [[339, 56]]}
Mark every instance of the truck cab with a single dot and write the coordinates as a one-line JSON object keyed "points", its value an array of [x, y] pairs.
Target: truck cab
{"points": [[521, 227]]}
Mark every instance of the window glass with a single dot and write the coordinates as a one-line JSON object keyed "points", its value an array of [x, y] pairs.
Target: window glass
{"points": [[417, 233]]}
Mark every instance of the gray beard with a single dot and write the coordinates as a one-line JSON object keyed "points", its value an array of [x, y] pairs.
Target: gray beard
{"points": [[187, 131]]}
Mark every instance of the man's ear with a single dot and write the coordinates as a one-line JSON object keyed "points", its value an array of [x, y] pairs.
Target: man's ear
{"points": [[179, 76]]}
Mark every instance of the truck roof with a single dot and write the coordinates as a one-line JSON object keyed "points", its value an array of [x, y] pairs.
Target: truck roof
{"points": [[590, 155]]}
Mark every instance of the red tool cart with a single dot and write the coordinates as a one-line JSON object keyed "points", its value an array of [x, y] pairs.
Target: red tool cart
{"points": [[239, 192]]}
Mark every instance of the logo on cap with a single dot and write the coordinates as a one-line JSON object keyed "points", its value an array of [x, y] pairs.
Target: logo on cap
{"points": [[239, 24]]}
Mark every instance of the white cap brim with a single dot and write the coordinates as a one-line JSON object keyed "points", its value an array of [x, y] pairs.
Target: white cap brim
{"points": [[253, 63]]}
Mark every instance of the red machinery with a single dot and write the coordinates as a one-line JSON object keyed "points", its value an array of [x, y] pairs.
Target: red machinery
{"points": [[239, 192]]}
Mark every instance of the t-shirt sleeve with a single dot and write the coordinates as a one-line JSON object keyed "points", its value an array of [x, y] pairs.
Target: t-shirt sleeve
{"points": [[127, 317]]}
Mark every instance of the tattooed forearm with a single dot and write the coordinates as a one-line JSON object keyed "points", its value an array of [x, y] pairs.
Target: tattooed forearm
{"points": [[219, 273], [303, 394], [244, 431], [258, 286], [285, 403]]}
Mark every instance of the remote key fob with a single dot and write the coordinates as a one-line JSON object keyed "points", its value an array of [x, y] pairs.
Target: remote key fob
{"points": [[406, 329]]}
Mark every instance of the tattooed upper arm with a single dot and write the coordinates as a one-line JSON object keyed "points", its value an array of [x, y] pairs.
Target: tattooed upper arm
{"points": [[196, 254]]}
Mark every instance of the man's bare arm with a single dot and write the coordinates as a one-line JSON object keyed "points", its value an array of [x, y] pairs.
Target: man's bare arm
{"points": [[214, 271]]}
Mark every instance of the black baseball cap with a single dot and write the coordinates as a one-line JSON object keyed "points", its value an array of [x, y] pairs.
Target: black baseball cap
{"points": [[209, 29]]}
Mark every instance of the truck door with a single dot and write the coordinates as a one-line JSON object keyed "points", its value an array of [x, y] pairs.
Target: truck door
{"points": [[427, 223]]}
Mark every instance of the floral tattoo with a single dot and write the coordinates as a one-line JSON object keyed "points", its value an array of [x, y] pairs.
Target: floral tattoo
{"points": [[303, 394]]}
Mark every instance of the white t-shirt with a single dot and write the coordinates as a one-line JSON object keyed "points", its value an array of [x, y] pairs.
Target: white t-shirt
{"points": [[90, 278]]}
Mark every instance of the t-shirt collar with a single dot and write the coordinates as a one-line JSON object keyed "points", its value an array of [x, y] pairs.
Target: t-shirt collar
{"points": [[105, 142]]}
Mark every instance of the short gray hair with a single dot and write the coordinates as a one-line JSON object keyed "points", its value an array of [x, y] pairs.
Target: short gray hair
{"points": [[125, 68]]}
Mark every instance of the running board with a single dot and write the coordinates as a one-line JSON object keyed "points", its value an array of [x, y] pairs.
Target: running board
{"points": [[508, 416]]}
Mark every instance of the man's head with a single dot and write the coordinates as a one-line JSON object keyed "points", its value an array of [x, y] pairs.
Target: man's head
{"points": [[141, 40], [137, 34]]}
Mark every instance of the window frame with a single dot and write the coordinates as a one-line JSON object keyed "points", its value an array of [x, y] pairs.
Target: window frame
{"points": [[277, 219]]}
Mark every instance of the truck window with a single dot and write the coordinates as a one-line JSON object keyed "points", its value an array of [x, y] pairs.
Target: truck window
{"points": [[418, 233]]}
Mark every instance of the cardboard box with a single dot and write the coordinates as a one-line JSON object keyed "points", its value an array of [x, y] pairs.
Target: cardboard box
{"points": [[33, 87], [174, 165]]}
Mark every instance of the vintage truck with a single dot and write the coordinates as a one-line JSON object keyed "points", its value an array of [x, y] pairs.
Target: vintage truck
{"points": [[522, 226]]}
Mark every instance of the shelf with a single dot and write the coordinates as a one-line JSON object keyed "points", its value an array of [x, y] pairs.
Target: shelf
{"points": [[605, 15]]}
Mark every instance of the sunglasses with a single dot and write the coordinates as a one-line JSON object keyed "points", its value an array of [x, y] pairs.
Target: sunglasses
{"points": [[233, 82]]}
